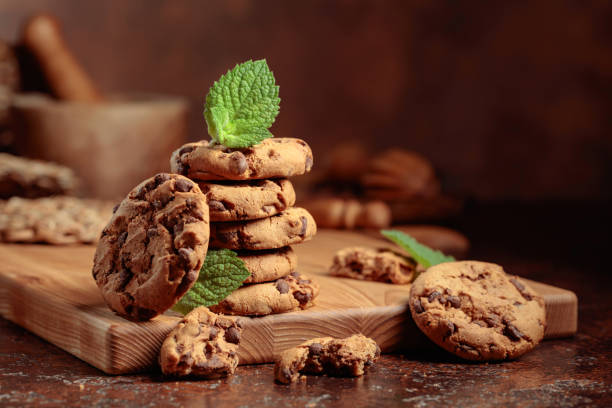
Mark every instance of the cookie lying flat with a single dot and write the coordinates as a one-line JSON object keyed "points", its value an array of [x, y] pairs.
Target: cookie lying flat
{"points": [[326, 355], [293, 226], [203, 344], [248, 200], [476, 311], [151, 251], [54, 220], [373, 264], [34, 178], [272, 158], [293, 292], [267, 266]]}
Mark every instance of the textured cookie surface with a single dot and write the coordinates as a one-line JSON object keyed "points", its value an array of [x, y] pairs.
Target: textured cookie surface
{"points": [[203, 344], [248, 200], [292, 226], [53, 220], [272, 158], [340, 357], [34, 178], [373, 264], [287, 294], [476, 311], [269, 265], [151, 251]]}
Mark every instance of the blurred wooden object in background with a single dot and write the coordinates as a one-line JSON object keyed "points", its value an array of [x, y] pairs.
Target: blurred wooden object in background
{"points": [[112, 145], [68, 80]]}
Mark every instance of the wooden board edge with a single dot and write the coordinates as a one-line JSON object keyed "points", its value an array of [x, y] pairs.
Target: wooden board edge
{"points": [[47, 317]]}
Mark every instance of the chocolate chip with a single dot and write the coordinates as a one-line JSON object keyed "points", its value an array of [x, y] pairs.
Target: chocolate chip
{"points": [[521, 288], [492, 320], [238, 163], [151, 232], [315, 349], [212, 333], [232, 335], [517, 284], [308, 163], [303, 298], [183, 185], [161, 178], [186, 149], [455, 301], [185, 253], [216, 205], [512, 332], [227, 236], [418, 307], [450, 328], [178, 228], [433, 296], [304, 226], [122, 238], [282, 286]]}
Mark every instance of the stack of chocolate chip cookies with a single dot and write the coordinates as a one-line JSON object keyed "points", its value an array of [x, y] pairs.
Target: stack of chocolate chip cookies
{"points": [[251, 211]]}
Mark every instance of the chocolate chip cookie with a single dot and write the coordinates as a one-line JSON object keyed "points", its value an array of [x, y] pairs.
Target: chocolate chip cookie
{"points": [[203, 345], [151, 251], [56, 220], [267, 266], [292, 226], [272, 158], [248, 200], [373, 264], [293, 292], [476, 311], [347, 357], [34, 178]]}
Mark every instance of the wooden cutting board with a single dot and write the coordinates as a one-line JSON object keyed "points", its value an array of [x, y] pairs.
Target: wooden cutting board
{"points": [[49, 291]]}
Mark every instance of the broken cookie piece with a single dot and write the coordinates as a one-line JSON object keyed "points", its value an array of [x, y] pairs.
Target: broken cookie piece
{"points": [[203, 345], [326, 355], [382, 265]]}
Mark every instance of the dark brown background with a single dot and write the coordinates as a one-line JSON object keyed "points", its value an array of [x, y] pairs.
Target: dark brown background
{"points": [[509, 101]]}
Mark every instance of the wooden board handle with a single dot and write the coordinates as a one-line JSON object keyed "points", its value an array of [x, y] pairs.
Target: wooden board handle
{"points": [[43, 37]]}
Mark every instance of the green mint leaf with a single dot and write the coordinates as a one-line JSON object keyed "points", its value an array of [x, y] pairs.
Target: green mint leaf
{"points": [[221, 274], [423, 254], [242, 105]]}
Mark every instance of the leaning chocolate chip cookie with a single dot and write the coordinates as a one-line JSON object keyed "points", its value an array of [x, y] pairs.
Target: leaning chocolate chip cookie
{"points": [[476, 311], [268, 265], [203, 345], [151, 251], [347, 357], [248, 200], [293, 226], [375, 264], [293, 292], [272, 158]]}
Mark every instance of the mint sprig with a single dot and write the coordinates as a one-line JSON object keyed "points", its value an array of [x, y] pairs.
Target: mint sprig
{"points": [[423, 254], [242, 105], [221, 274]]}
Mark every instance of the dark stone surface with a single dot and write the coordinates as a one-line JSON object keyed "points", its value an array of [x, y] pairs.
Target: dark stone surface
{"points": [[558, 373]]}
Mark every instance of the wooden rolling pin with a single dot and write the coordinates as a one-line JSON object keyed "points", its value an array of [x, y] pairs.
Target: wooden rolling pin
{"points": [[66, 77]]}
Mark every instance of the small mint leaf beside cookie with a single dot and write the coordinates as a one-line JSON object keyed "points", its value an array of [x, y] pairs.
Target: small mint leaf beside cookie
{"points": [[242, 105], [221, 274], [423, 254]]}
